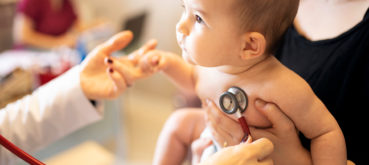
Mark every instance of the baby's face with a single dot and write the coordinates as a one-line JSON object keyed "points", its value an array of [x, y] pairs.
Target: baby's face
{"points": [[208, 33]]}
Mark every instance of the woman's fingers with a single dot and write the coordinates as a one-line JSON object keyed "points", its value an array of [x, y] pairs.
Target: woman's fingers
{"points": [[135, 56], [124, 67], [283, 133], [117, 42], [275, 115], [262, 148], [119, 83], [223, 127], [255, 153], [148, 46]]}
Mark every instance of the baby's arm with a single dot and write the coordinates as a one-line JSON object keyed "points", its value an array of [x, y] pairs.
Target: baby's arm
{"points": [[314, 120], [181, 128], [173, 66]]}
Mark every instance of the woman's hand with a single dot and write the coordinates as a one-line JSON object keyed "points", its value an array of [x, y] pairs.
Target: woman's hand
{"points": [[223, 128], [102, 81], [129, 66], [249, 153], [283, 133], [96, 79]]}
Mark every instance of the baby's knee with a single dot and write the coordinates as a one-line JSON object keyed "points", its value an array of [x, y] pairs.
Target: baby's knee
{"points": [[183, 120], [184, 117]]}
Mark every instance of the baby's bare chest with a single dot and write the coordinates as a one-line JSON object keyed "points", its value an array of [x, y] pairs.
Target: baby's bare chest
{"points": [[212, 86]]}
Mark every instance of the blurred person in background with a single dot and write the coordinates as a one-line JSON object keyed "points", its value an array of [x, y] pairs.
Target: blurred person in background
{"points": [[45, 24]]}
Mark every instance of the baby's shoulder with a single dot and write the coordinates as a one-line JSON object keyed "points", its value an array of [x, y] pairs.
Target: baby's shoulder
{"points": [[286, 84]]}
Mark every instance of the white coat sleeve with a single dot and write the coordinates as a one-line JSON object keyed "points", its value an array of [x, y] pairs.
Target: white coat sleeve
{"points": [[49, 113]]}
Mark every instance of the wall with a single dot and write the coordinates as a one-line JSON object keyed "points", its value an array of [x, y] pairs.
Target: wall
{"points": [[163, 15], [7, 13]]}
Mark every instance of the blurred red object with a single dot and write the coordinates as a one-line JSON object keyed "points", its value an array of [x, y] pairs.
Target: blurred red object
{"points": [[48, 74]]}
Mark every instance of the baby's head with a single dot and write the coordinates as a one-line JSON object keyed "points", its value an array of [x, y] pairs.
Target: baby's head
{"points": [[226, 32], [271, 18]]}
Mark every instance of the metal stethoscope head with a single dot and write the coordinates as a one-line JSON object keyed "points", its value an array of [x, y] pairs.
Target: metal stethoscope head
{"points": [[235, 101]]}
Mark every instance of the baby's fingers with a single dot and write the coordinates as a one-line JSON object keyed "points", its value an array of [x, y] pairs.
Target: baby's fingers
{"points": [[150, 62]]}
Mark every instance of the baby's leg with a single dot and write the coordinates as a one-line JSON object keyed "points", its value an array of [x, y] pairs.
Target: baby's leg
{"points": [[182, 127]]}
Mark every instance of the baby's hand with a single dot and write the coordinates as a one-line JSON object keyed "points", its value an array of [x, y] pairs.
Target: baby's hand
{"points": [[127, 66], [152, 62]]}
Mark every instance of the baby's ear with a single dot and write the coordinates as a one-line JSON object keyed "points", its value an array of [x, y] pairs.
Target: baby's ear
{"points": [[254, 45]]}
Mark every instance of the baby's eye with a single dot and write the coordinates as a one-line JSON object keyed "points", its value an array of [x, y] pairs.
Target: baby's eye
{"points": [[199, 19]]}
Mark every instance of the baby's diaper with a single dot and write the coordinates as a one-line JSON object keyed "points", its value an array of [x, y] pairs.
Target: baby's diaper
{"points": [[211, 149]]}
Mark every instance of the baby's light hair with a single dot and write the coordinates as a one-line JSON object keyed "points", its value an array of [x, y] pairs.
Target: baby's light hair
{"points": [[268, 17]]}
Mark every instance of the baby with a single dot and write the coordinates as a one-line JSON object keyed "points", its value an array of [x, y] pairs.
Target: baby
{"points": [[229, 43]]}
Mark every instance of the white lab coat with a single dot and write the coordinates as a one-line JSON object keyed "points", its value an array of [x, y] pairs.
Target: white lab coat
{"points": [[51, 112]]}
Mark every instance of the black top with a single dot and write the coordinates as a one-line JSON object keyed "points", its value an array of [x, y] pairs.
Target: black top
{"points": [[338, 71]]}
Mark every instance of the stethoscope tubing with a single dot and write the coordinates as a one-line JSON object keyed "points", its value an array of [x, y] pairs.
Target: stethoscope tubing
{"points": [[19, 152]]}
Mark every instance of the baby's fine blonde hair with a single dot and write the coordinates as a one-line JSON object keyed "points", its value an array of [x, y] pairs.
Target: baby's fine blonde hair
{"points": [[268, 17]]}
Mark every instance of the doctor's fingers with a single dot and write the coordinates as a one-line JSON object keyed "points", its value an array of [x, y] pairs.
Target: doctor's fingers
{"points": [[125, 69], [117, 42], [136, 55], [118, 84], [222, 124], [261, 148]]}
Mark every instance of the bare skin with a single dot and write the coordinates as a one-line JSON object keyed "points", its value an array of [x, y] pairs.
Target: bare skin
{"points": [[239, 60]]}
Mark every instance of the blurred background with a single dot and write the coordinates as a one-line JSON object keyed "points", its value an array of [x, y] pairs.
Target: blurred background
{"points": [[132, 123]]}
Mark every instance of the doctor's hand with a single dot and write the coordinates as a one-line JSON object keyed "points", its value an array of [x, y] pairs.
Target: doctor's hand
{"points": [[249, 153], [96, 79], [282, 133], [129, 66]]}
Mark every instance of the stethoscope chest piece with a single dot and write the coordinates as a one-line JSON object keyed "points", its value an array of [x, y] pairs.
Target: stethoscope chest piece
{"points": [[232, 100]]}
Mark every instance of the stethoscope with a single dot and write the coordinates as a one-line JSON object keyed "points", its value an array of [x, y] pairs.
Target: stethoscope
{"points": [[234, 101], [19, 152]]}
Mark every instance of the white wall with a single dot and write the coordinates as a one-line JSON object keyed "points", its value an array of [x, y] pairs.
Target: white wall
{"points": [[163, 15]]}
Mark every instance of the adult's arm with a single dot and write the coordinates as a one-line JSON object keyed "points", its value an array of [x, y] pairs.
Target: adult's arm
{"points": [[51, 112], [63, 105]]}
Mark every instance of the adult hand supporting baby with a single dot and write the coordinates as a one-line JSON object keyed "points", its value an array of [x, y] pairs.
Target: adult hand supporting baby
{"points": [[282, 133]]}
